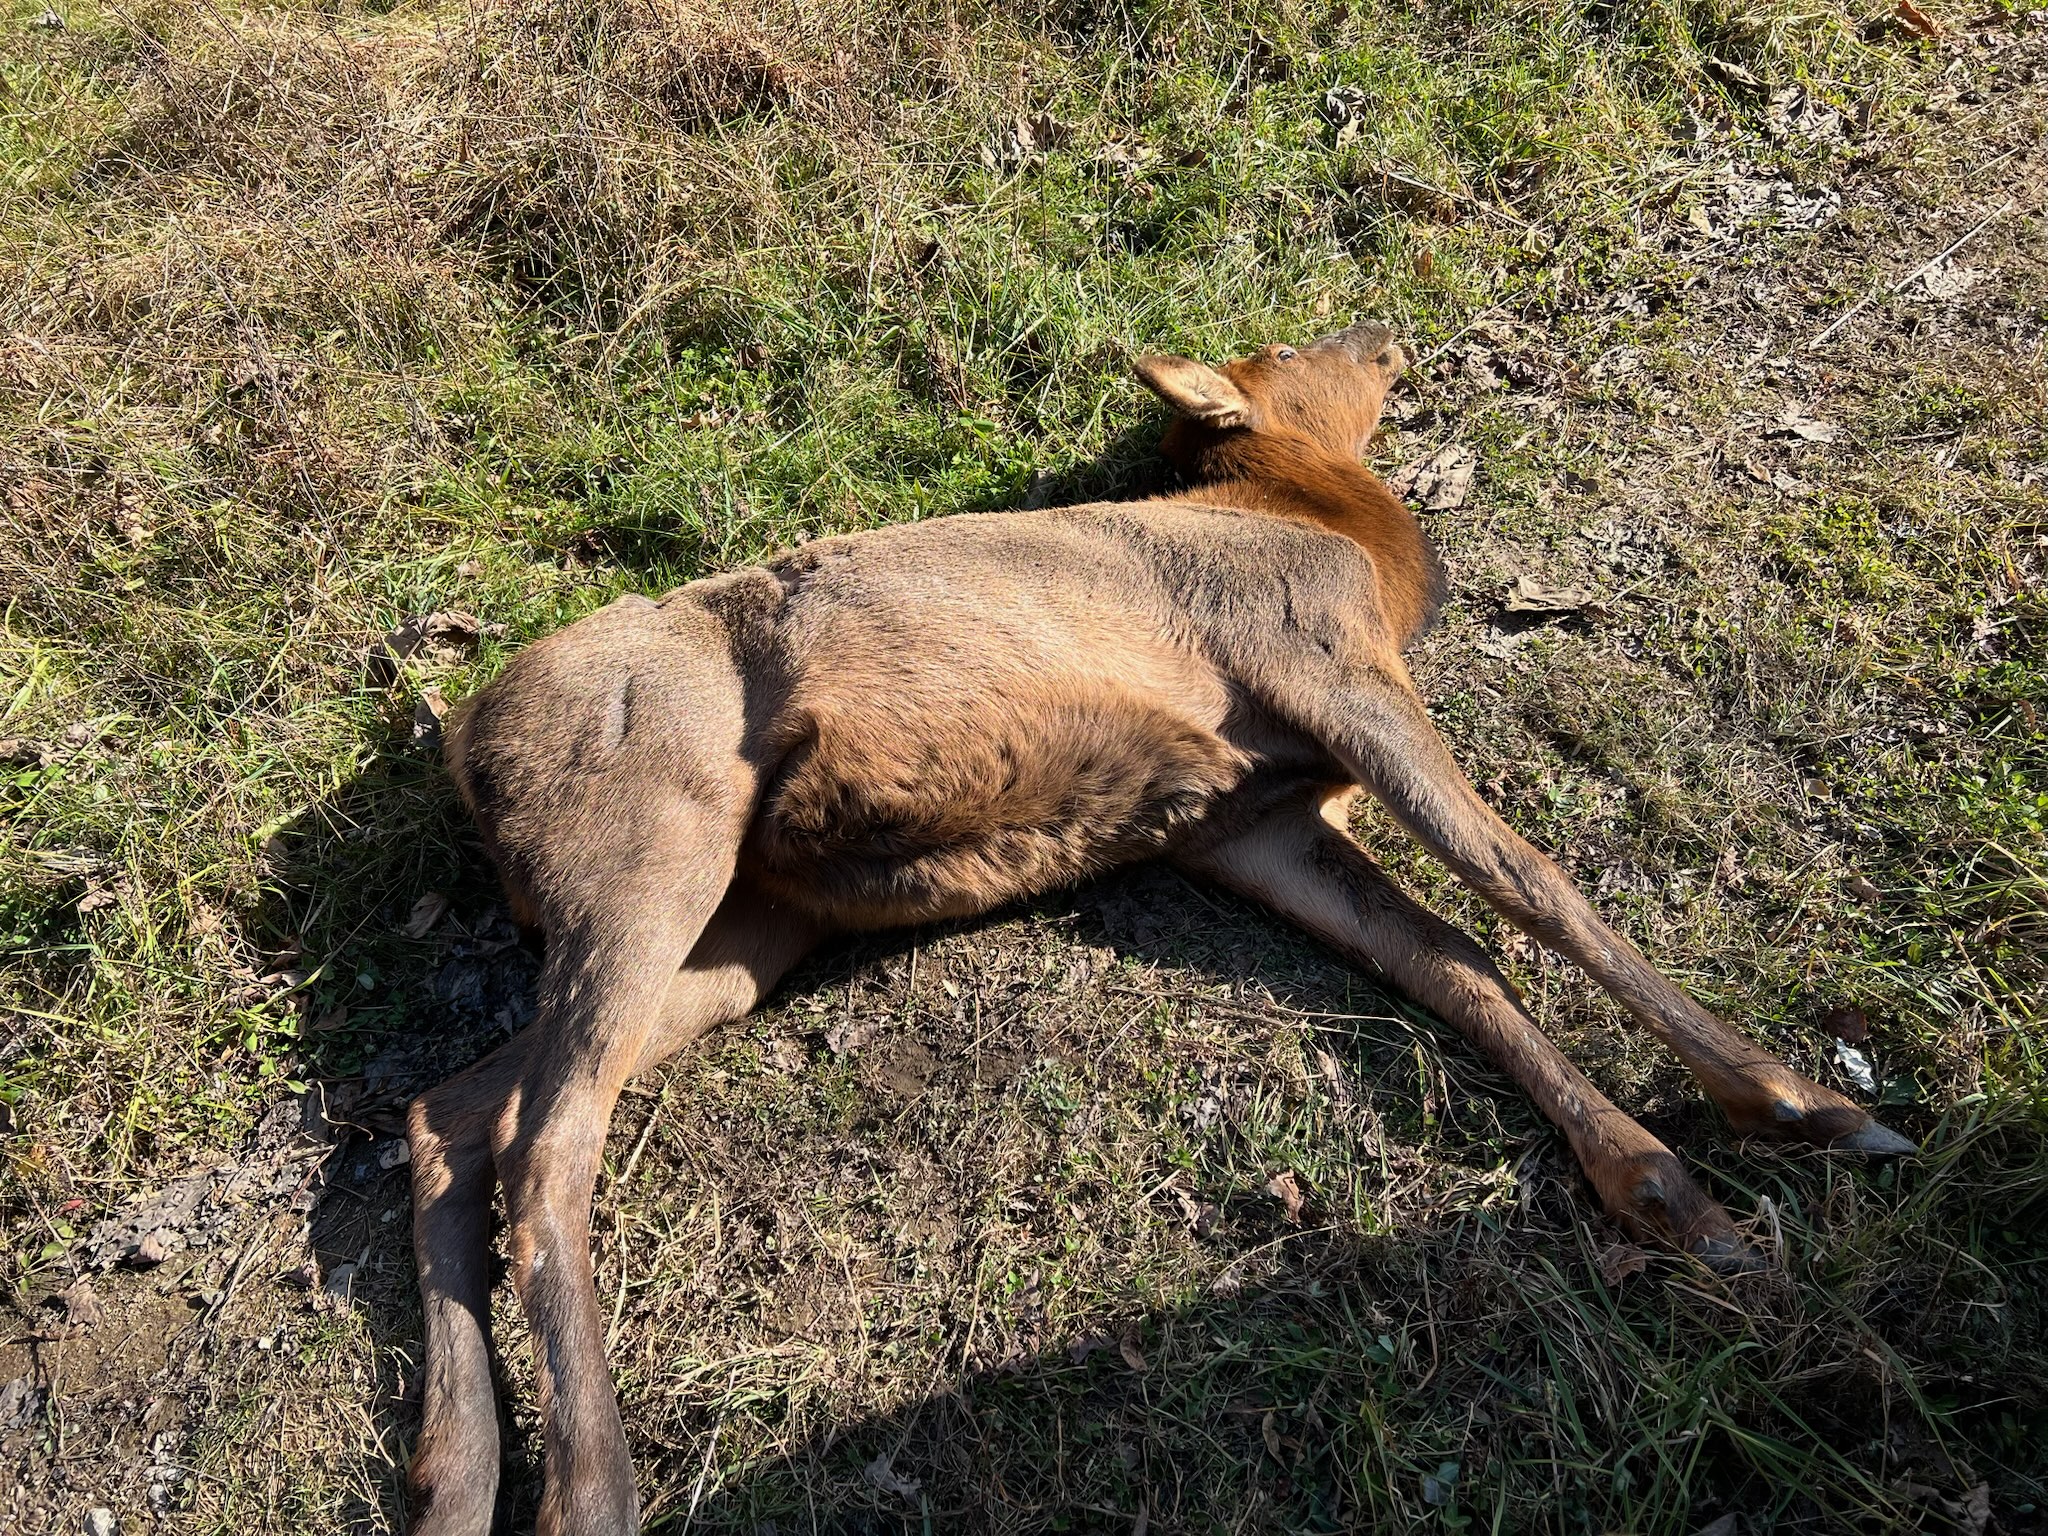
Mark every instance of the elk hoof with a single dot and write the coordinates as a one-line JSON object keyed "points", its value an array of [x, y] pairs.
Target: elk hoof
{"points": [[1873, 1140], [1728, 1255], [1656, 1200]]}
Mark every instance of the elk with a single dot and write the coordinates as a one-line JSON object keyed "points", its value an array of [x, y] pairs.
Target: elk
{"points": [[929, 720]]}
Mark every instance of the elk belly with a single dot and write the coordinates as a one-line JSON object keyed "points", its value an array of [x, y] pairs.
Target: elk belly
{"points": [[874, 820]]}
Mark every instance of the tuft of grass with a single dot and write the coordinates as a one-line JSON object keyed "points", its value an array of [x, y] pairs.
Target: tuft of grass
{"points": [[319, 318]]}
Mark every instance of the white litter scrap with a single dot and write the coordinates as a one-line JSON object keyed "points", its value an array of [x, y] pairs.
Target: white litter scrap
{"points": [[1855, 1066]]}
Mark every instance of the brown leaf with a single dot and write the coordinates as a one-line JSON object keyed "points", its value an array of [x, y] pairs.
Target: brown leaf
{"points": [[1127, 1346], [382, 666], [1440, 482], [880, 1474], [1863, 890], [153, 1249], [1282, 1187], [81, 1307], [1532, 596], [426, 913], [1269, 1431], [447, 635], [1794, 421], [1975, 1514], [850, 1034], [1915, 19], [452, 628], [1081, 1349], [1201, 1214], [1620, 1260], [426, 717], [1730, 73], [1847, 1023], [332, 1019]]}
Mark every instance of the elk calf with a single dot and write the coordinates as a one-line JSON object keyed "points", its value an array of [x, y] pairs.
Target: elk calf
{"points": [[929, 720]]}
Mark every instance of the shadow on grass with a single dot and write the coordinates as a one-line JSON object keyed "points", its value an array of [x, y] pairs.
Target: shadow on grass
{"points": [[1481, 1369]]}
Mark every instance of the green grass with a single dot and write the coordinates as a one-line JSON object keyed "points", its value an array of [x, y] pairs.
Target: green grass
{"points": [[319, 318]]}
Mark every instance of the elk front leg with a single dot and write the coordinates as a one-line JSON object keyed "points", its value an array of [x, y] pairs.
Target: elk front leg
{"points": [[1379, 729], [1312, 873]]}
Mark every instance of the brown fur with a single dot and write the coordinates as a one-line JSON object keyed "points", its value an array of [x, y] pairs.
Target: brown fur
{"points": [[928, 721]]}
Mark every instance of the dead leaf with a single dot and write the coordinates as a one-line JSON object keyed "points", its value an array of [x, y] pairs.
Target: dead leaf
{"points": [[1283, 1187], [1440, 482], [1269, 1431], [1025, 138], [383, 665], [881, 1475], [1079, 1351], [1127, 1346], [1620, 1260], [426, 913], [1945, 280], [1975, 1515], [444, 635], [452, 628], [1847, 1023], [1915, 19], [1728, 72], [81, 1306], [426, 717], [1201, 1214], [1863, 890], [153, 1249], [850, 1034], [396, 1154], [1333, 1073], [1794, 421], [1346, 109], [1533, 596], [1125, 157], [1722, 1525]]}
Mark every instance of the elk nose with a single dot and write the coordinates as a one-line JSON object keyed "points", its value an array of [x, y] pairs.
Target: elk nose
{"points": [[1368, 343]]}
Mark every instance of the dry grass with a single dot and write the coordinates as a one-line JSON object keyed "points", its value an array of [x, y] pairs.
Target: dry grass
{"points": [[320, 317]]}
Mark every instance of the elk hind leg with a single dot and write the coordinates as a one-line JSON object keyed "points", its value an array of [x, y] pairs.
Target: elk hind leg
{"points": [[745, 950]]}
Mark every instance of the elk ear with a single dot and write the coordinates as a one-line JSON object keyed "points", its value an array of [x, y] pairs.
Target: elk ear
{"points": [[1195, 390]]}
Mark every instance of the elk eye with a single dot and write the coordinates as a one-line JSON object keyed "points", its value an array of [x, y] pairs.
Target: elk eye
{"points": [[1285, 354]]}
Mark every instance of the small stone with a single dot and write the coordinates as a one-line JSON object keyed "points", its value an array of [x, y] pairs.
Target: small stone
{"points": [[101, 1522]]}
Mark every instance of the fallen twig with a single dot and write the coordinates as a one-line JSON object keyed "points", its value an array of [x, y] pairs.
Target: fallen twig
{"points": [[1926, 266]]}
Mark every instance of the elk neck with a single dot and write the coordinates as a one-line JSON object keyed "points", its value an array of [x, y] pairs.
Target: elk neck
{"points": [[1288, 474]]}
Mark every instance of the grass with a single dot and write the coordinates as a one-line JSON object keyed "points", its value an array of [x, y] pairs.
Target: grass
{"points": [[323, 317]]}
